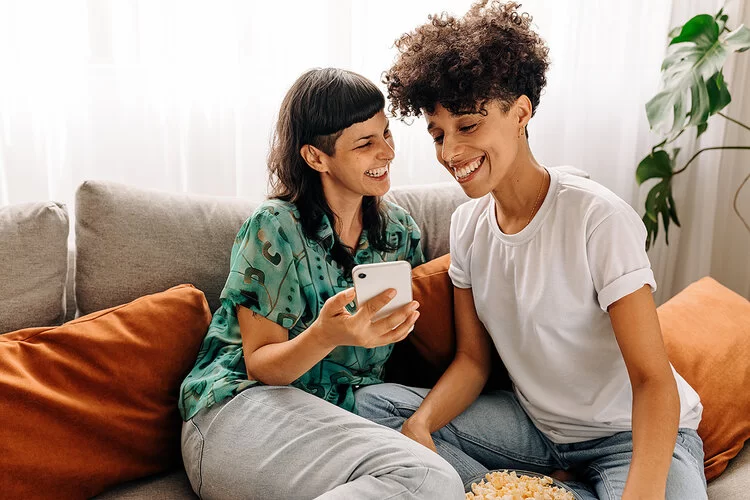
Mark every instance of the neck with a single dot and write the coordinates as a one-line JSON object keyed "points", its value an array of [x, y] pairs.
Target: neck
{"points": [[520, 193], [347, 210], [516, 192]]}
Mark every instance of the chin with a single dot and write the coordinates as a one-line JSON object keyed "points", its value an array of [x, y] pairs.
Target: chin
{"points": [[475, 190]]}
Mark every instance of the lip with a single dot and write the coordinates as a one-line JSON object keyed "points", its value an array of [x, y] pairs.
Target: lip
{"points": [[469, 177], [382, 177], [466, 162]]}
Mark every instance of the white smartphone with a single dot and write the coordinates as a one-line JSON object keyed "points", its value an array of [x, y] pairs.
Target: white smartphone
{"points": [[372, 279]]}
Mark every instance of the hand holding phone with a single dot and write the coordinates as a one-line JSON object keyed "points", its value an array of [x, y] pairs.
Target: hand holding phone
{"points": [[373, 279], [382, 318]]}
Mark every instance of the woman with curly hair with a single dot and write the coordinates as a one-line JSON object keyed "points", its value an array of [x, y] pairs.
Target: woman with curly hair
{"points": [[269, 407], [550, 270]]}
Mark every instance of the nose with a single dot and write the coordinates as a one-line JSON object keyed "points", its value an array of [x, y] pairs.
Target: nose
{"points": [[450, 148], [387, 152]]}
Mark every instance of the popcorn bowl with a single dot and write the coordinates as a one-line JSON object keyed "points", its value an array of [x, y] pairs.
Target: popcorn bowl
{"points": [[479, 477]]}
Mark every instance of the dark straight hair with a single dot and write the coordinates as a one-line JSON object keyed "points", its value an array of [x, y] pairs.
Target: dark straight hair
{"points": [[315, 111]]}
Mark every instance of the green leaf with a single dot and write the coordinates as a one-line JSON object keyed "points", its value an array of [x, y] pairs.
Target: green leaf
{"points": [[656, 164], [700, 27], [672, 209], [651, 230], [693, 58], [701, 128], [659, 203], [718, 93]]}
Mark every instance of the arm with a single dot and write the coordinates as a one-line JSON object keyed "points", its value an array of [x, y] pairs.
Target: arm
{"points": [[656, 402], [464, 379], [271, 358]]}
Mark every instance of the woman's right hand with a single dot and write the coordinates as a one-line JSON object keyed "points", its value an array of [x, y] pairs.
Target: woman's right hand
{"points": [[335, 326], [415, 429]]}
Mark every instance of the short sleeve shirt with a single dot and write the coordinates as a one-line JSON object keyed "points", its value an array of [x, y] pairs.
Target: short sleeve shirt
{"points": [[279, 273]]}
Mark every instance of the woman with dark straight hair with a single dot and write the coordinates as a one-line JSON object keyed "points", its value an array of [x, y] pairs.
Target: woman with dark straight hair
{"points": [[269, 407]]}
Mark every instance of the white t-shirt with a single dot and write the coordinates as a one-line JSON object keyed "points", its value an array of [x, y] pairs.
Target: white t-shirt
{"points": [[543, 295]]}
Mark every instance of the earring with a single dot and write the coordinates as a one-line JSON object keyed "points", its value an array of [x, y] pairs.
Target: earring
{"points": [[520, 132]]}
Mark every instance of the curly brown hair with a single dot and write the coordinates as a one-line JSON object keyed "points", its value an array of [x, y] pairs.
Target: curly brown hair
{"points": [[491, 53]]}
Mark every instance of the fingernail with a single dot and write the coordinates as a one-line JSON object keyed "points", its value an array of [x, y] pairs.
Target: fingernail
{"points": [[414, 306], [391, 293]]}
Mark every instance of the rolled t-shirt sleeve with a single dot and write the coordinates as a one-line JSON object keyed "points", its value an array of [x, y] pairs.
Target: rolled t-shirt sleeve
{"points": [[458, 269], [617, 257], [263, 272]]}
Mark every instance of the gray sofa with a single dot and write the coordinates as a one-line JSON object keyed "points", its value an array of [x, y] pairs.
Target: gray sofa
{"points": [[130, 242]]}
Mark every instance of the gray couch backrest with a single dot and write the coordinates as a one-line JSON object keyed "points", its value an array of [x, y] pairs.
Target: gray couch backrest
{"points": [[132, 241], [33, 264]]}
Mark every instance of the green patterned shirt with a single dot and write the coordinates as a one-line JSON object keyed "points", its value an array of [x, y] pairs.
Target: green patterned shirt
{"points": [[277, 272]]}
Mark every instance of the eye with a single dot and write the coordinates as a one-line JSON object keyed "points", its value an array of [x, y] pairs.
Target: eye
{"points": [[368, 144], [387, 133], [468, 128], [438, 139]]}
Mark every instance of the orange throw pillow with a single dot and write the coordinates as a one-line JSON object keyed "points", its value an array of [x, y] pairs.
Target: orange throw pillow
{"points": [[434, 337], [93, 403], [706, 330]]}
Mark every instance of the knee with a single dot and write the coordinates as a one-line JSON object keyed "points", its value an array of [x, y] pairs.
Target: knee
{"points": [[372, 402], [440, 481]]}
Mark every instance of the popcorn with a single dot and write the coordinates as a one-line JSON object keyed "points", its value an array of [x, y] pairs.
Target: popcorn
{"points": [[510, 486]]}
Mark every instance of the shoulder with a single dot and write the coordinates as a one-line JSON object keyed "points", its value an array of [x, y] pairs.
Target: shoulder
{"points": [[467, 215], [276, 218], [398, 218], [581, 199]]}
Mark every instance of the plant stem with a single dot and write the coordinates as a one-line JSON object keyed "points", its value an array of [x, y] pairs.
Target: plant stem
{"points": [[734, 204], [707, 149], [733, 120]]}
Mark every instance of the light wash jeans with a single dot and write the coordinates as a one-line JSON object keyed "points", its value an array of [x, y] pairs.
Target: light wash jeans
{"points": [[496, 433], [283, 443]]}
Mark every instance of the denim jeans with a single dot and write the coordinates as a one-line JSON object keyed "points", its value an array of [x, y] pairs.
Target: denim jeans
{"points": [[281, 442], [496, 433]]}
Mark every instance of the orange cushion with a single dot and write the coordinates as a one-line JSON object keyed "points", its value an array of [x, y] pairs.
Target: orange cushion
{"points": [[706, 330], [433, 336], [92, 403]]}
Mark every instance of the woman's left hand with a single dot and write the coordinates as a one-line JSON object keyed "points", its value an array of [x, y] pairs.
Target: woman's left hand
{"points": [[418, 432]]}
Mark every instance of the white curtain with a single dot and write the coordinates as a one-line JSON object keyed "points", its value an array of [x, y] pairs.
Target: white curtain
{"points": [[182, 96]]}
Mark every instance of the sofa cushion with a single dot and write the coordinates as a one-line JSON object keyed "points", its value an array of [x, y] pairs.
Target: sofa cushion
{"points": [[131, 241], [170, 486], [33, 265], [734, 482], [92, 403], [706, 330]]}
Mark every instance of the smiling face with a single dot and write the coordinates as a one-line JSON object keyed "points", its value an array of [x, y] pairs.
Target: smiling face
{"points": [[360, 163], [479, 150]]}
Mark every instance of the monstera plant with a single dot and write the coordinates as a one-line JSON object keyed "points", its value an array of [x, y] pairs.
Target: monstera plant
{"points": [[693, 90]]}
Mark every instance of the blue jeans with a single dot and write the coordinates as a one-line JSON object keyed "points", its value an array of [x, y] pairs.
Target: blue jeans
{"points": [[496, 433]]}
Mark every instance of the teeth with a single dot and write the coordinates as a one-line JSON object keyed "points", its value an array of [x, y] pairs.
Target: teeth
{"points": [[465, 170], [377, 172]]}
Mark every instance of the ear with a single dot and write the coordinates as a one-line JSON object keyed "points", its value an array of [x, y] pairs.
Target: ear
{"points": [[314, 157], [523, 110]]}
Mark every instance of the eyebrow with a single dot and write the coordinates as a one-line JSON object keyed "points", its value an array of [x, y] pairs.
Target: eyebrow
{"points": [[367, 137]]}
